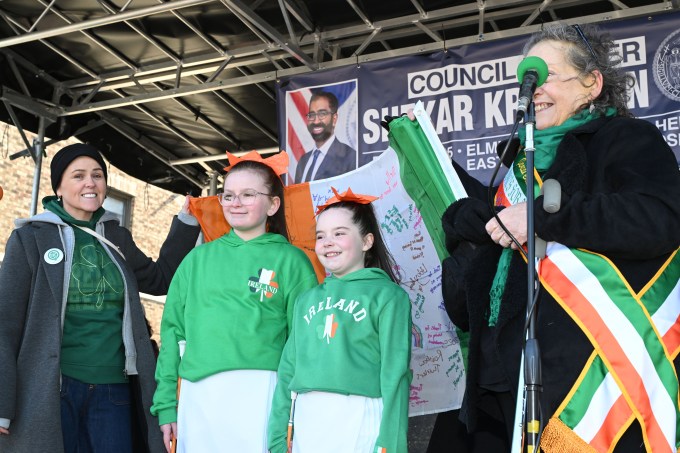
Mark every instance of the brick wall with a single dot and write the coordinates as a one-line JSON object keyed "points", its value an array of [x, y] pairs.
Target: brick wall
{"points": [[152, 208]]}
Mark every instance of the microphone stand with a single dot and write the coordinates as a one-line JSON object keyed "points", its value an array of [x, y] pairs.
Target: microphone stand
{"points": [[532, 358]]}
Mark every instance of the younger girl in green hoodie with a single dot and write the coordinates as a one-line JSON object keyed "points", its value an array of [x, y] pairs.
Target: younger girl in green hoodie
{"points": [[345, 369]]}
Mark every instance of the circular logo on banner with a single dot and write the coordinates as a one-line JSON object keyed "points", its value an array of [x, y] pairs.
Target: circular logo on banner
{"points": [[666, 66], [54, 256]]}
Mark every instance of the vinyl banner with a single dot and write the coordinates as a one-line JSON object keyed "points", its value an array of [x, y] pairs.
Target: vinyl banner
{"points": [[470, 93]]}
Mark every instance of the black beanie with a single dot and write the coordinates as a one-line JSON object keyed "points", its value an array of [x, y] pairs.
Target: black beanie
{"points": [[68, 154]]}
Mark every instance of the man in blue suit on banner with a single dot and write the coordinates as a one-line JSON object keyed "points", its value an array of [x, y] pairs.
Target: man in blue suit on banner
{"points": [[330, 157]]}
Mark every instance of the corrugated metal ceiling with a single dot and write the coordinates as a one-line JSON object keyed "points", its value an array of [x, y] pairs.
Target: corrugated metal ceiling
{"points": [[164, 88]]}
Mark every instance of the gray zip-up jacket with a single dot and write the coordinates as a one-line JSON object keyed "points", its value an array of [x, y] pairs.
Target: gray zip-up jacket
{"points": [[34, 280]]}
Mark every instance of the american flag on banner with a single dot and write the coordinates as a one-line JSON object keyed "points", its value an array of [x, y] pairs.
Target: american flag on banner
{"points": [[298, 138]]}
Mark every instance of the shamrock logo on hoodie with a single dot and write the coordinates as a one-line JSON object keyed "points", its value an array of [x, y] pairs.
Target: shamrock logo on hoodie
{"points": [[264, 284], [327, 331]]}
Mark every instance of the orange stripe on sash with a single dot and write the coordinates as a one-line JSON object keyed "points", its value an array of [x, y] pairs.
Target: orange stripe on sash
{"points": [[619, 415], [616, 359], [672, 338]]}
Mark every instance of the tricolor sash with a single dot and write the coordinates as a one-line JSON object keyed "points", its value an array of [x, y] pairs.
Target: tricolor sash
{"points": [[630, 375]]}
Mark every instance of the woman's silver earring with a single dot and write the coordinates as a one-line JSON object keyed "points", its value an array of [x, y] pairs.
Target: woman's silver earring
{"points": [[59, 198]]}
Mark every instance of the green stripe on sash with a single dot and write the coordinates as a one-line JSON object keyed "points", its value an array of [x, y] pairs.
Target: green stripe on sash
{"points": [[633, 307], [654, 295], [574, 412], [621, 294]]}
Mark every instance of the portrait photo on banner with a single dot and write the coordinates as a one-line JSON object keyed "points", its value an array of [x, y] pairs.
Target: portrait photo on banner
{"points": [[321, 131]]}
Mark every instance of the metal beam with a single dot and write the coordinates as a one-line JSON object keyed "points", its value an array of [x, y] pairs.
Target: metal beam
{"points": [[299, 12], [435, 37], [28, 104], [16, 27], [197, 114], [182, 103], [144, 142], [38, 148], [219, 70], [536, 12], [47, 8], [88, 127], [256, 31], [17, 124], [237, 6], [360, 13], [137, 29], [265, 90], [272, 75], [351, 36], [198, 32], [481, 5], [420, 9], [91, 94], [618, 4], [213, 157], [367, 42], [93, 23], [170, 128], [149, 146], [18, 76], [286, 19], [242, 112]]}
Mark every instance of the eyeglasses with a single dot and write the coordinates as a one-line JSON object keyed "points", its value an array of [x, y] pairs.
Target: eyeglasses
{"points": [[578, 30], [321, 114], [246, 198], [552, 78]]}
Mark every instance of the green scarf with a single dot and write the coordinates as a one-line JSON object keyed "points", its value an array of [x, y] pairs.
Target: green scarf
{"points": [[53, 204], [546, 143]]}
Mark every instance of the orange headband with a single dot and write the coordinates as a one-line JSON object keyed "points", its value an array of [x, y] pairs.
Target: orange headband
{"points": [[278, 162], [345, 196]]}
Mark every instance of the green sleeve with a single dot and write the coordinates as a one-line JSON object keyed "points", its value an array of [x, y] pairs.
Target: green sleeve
{"points": [[304, 278], [394, 331], [172, 331], [280, 413]]}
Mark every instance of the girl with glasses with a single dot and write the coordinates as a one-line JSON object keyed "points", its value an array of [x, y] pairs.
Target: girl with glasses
{"points": [[231, 303]]}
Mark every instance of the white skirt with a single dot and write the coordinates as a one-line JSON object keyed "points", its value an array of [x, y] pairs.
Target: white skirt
{"points": [[226, 412], [334, 423]]}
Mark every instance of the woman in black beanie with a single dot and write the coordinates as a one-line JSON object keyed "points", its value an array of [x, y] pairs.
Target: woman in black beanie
{"points": [[77, 370]]}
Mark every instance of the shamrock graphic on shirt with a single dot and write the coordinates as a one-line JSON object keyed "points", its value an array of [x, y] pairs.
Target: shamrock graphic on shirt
{"points": [[264, 284], [327, 331]]}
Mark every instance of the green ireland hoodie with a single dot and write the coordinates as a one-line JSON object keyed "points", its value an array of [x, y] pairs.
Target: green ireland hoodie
{"points": [[351, 335], [231, 301]]}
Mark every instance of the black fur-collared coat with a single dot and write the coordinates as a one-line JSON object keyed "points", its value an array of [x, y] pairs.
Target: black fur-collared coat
{"points": [[620, 197]]}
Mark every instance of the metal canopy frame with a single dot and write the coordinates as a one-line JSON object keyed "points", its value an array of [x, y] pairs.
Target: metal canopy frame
{"points": [[165, 87]]}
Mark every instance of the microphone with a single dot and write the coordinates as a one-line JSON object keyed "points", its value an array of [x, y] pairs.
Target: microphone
{"points": [[552, 200], [552, 195], [531, 73]]}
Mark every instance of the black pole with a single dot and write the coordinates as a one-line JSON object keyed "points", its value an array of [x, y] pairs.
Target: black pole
{"points": [[532, 357]]}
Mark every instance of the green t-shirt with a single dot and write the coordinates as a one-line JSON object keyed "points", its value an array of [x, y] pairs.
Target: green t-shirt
{"points": [[92, 348]]}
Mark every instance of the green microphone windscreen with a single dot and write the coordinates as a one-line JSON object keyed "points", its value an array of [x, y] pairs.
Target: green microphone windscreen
{"points": [[533, 63]]}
